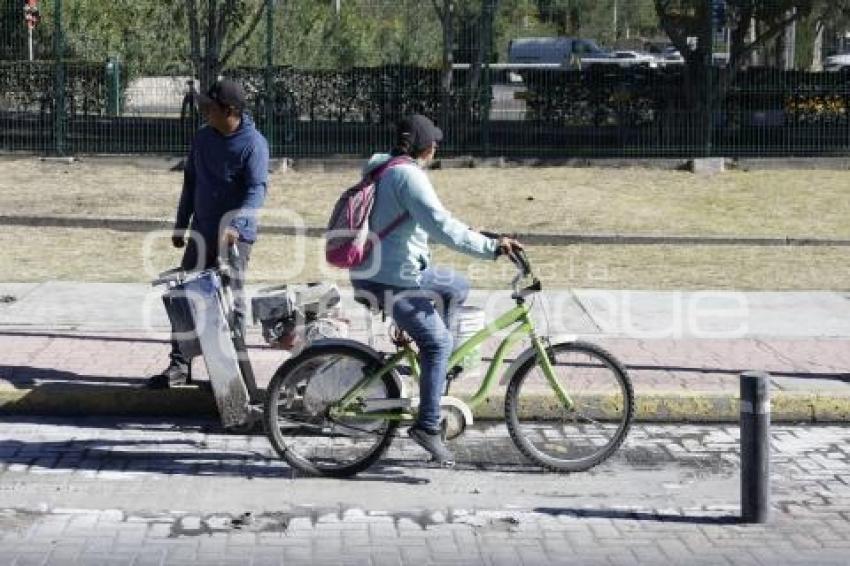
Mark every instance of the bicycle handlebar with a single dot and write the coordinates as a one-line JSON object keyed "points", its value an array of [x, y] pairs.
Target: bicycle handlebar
{"points": [[518, 257], [174, 275], [178, 274]]}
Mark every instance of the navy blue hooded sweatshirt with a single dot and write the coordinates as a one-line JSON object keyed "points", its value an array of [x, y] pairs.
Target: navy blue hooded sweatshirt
{"points": [[225, 179]]}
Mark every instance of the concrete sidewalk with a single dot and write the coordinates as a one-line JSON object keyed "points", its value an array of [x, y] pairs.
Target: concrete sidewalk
{"points": [[86, 348]]}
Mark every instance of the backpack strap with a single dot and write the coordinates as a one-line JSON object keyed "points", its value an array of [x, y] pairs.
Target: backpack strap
{"points": [[376, 175], [393, 225], [379, 171]]}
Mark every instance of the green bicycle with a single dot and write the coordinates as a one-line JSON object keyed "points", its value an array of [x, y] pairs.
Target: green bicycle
{"points": [[334, 409]]}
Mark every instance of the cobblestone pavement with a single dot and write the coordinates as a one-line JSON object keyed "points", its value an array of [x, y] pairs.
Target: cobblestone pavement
{"points": [[115, 491]]}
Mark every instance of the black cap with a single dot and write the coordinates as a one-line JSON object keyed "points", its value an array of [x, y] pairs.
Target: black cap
{"points": [[418, 131], [225, 93]]}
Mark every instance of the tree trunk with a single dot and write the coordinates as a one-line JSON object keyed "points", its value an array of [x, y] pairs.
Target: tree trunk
{"points": [[817, 48], [447, 21], [790, 44]]}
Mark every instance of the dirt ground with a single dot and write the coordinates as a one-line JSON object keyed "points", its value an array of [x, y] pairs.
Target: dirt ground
{"points": [[625, 201]]}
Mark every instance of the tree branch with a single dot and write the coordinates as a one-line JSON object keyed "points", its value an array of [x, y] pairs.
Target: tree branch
{"points": [[738, 35], [437, 8], [210, 46], [225, 18], [771, 32], [194, 34], [266, 5], [674, 27]]}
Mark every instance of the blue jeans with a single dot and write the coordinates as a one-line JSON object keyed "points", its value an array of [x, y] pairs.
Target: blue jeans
{"points": [[427, 315]]}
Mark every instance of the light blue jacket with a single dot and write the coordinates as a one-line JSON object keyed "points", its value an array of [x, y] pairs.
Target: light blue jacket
{"points": [[401, 256]]}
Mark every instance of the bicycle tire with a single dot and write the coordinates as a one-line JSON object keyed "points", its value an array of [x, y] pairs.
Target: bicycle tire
{"points": [[521, 435], [284, 447]]}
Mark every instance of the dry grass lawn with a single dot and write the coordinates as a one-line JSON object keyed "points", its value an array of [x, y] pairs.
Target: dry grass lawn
{"points": [[38, 254], [629, 201], [626, 201]]}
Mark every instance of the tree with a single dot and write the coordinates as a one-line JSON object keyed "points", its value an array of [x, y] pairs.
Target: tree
{"points": [[827, 15], [217, 30], [690, 18], [596, 19], [13, 32]]}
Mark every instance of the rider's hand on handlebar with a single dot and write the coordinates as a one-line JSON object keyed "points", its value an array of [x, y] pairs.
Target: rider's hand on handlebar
{"points": [[178, 240], [230, 236], [508, 246]]}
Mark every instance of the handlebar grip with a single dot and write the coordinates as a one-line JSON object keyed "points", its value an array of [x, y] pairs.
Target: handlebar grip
{"points": [[174, 275], [488, 234], [519, 259]]}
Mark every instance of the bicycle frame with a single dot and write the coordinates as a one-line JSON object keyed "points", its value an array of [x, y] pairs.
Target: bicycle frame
{"points": [[518, 315]]}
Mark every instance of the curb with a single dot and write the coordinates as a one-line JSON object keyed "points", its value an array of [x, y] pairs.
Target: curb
{"points": [[62, 399], [160, 161], [541, 239]]}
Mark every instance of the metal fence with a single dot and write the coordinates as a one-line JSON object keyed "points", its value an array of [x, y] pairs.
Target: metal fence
{"points": [[331, 77]]}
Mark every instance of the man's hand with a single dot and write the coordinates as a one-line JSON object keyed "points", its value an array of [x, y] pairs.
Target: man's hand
{"points": [[508, 245], [230, 236], [178, 240]]}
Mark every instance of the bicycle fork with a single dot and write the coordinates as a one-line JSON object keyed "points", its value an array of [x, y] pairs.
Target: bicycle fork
{"points": [[549, 372]]}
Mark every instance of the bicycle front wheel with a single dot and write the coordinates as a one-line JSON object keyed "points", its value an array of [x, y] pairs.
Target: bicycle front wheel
{"points": [[578, 438], [297, 418]]}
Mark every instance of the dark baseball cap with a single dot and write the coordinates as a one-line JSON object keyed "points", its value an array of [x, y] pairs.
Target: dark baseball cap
{"points": [[419, 131], [225, 93]]}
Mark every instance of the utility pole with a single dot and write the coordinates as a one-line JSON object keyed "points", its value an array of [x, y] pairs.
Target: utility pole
{"points": [[32, 18]]}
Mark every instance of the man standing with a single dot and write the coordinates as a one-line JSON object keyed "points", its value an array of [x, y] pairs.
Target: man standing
{"points": [[224, 185]]}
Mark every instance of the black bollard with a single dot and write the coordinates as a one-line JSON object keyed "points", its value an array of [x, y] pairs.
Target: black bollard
{"points": [[755, 447]]}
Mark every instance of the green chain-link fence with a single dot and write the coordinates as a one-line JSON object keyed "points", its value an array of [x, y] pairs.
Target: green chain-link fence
{"points": [[330, 77]]}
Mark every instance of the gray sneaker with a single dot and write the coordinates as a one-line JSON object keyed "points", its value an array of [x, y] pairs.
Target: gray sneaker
{"points": [[433, 443], [175, 374]]}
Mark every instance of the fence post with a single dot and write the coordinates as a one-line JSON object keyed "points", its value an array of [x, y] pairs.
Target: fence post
{"points": [[58, 80], [113, 87], [755, 447], [269, 79], [708, 123], [486, 82]]}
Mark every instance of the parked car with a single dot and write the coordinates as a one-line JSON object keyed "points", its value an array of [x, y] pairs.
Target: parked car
{"points": [[838, 62], [622, 58], [671, 55]]}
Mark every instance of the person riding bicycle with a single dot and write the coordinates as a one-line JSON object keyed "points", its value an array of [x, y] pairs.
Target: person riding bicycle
{"points": [[398, 276]]}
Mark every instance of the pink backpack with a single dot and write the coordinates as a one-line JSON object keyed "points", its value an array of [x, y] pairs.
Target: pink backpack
{"points": [[348, 239]]}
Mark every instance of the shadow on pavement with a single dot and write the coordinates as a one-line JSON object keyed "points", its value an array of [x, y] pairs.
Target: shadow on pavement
{"points": [[181, 457], [25, 377], [131, 338], [639, 516], [44, 391]]}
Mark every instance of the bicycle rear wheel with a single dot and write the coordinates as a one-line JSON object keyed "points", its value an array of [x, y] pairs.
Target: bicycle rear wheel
{"points": [[579, 438], [297, 421]]}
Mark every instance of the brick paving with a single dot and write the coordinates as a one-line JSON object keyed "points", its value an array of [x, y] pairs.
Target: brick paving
{"points": [[113, 491], [32, 358]]}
